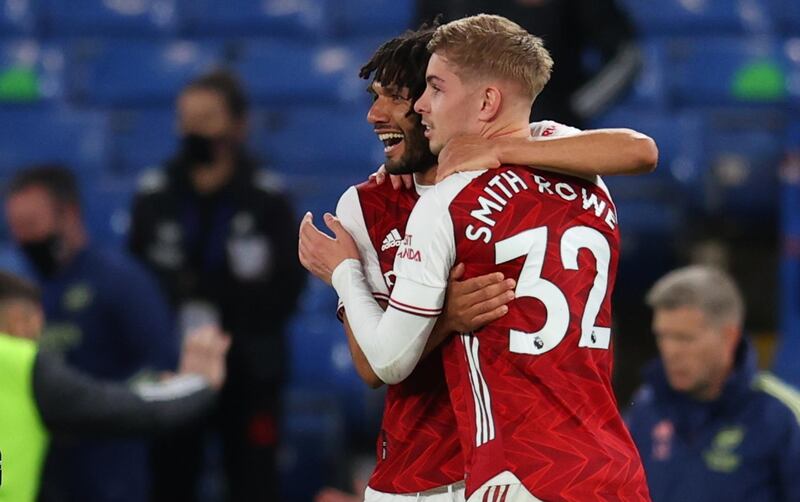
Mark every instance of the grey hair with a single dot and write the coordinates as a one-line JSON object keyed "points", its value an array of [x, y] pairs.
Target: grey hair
{"points": [[709, 289]]}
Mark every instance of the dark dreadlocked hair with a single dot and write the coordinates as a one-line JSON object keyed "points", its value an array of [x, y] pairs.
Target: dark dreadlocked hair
{"points": [[402, 61]]}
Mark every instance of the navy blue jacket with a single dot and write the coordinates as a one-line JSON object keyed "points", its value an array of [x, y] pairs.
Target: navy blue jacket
{"points": [[745, 446], [108, 318]]}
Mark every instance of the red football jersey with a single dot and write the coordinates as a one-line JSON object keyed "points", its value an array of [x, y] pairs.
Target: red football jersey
{"points": [[532, 390], [418, 447]]}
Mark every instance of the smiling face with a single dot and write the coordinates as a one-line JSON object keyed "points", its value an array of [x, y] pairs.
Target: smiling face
{"points": [[398, 127], [449, 107]]}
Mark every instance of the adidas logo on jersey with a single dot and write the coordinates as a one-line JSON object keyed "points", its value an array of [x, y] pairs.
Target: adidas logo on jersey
{"points": [[392, 240]]}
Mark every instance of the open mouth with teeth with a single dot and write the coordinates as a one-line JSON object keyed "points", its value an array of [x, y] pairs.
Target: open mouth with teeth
{"points": [[391, 141]]}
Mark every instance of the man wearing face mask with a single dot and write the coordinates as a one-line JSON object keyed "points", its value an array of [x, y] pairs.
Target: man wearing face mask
{"points": [[222, 240], [106, 331]]}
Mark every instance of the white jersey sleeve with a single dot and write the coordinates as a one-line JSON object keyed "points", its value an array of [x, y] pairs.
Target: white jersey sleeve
{"points": [[552, 129], [349, 212], [423, 261], [392, 341]]}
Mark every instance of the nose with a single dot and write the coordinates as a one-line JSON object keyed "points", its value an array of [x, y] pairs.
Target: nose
{"points": [[421, 106], [377, 112], [670, 351]]}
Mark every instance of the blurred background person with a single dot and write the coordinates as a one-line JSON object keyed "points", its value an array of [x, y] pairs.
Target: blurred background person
{"points": [[105, 316], [592, 41], [222, 239], [708, 425], [43, 397]]}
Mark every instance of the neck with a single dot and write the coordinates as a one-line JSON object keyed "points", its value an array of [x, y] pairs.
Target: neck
{"points": [[211, 179], [512, 129], [714, 389], [426, 178]]}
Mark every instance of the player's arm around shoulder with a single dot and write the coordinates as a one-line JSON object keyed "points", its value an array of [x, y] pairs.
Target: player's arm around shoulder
{"points": [[556, 147]]}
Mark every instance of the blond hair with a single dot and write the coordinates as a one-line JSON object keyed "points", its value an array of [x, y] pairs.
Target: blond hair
{"points": [[493, 46]]}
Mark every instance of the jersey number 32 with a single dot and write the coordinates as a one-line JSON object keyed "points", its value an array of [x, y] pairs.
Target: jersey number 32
{"points": [[533, 244]]}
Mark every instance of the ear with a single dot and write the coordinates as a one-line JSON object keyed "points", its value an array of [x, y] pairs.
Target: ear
{"points": [[732, 335], [491, 101]]}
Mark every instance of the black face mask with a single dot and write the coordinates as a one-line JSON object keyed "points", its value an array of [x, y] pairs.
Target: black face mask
{"points": [[197, 150], [44, 254]]}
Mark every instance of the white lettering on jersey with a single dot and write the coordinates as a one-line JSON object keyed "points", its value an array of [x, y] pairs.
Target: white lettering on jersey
{"points": [[407, 252], [510, 180], [507, 182]]}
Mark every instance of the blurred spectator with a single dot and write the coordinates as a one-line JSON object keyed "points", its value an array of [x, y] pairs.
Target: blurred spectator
{"points": [[592, 42], [105, 315], [43, 396], [710, 427], [223, 241]]}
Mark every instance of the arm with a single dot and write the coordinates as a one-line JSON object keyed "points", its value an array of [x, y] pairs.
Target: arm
{"points": [[391, 342], [601, 152], [469, 305], [72, 403]]}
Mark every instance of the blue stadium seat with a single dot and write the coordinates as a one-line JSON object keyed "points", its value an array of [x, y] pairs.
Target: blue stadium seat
{"points": [[727, 71], [374, 17], [17, 17], [312, 443], [110, 18], [649, 89], [107, 204], [138, 73], [647, 218], [679, 17], [681, 143], [78, 139], [787, 13], [236, 18], [284, 72], [12, 260], [786, 357], [320, 359], [791, 51], [745, 151], [141, 138], [31, 72], [334, 141], [319, 351]]}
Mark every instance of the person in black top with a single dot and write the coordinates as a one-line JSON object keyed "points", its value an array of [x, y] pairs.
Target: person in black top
{"points": [[571, 29], [70, 404], [221, 238]]}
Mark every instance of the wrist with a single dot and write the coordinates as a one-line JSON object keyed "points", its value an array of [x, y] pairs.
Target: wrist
{"points": [[500, 148], [340, 278]]}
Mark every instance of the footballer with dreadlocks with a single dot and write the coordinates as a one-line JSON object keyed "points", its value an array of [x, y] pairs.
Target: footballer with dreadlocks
{"points": [[418, 449]]}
